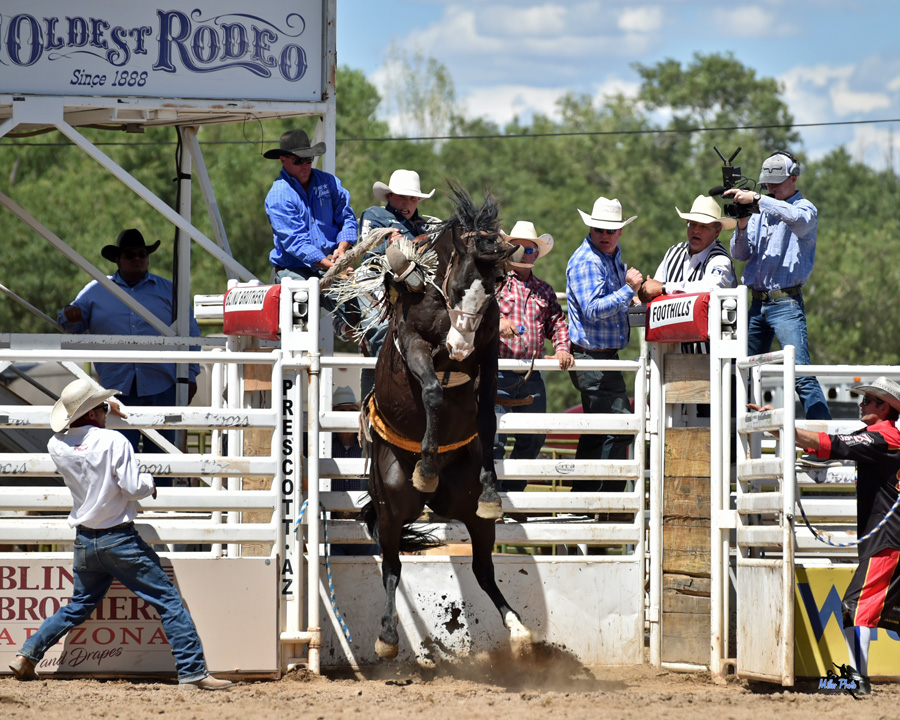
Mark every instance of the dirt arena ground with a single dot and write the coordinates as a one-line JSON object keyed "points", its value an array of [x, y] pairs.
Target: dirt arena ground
{"points": [[476, 688]]}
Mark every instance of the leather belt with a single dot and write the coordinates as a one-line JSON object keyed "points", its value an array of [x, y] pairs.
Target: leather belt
{"points": [[114, 528], [770, 295], [578, 348]]}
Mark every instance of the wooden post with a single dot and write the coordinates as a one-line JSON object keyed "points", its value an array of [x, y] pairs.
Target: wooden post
{"points": [[686, 518]]}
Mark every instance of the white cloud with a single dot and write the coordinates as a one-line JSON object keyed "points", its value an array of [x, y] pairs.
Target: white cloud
{"points": [[615, 86], [641, 20], [502, 103], [846, 102], [750, 21], [821, 92]]}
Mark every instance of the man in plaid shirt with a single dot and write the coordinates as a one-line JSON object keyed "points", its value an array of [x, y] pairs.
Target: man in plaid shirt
{"points": [[599, 289], [529, 314]]}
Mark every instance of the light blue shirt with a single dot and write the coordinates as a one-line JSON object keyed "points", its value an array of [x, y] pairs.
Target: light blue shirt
{"points": [[779, 244], [307, 226], [598, 298], [104, 314]]}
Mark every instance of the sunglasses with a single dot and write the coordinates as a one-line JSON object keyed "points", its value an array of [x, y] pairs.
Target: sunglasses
{"points": [[868, 400], [103, 406], [134, 254], [301, 161], [529, 251], [604, 231]]}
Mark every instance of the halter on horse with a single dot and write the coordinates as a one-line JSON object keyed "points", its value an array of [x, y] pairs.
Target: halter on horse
{"points": [[433, 409]]}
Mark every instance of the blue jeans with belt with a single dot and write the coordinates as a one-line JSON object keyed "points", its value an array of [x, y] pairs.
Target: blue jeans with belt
{"points": [[785, 319], [526, 447], [119, 553], [602, 391]]}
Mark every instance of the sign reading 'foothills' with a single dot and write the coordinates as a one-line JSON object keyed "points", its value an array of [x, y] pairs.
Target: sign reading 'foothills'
{"points": [[202, 49]]}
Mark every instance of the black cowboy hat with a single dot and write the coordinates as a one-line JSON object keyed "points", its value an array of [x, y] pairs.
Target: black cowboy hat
{"points": [[295, 142], [128, 240]]}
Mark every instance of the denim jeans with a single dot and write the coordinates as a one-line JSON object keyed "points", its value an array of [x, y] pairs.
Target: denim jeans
{"points": [[602, 391], [526, 446], [102, 556], [785, 319], [166, 397]]}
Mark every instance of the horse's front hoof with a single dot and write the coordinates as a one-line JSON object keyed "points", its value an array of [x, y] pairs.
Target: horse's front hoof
{"points": [[423, 483], [386, 651], [489, 510], [521, 641]]}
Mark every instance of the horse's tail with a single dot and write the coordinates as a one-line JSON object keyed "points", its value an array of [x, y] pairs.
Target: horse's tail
{"points": [[411, 540]]}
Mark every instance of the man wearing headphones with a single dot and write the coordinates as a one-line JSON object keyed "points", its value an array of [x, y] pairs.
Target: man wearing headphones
{"points": [[779, 246]]}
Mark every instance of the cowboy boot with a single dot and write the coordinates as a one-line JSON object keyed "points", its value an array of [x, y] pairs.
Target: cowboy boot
{"points": [[404, 269]]}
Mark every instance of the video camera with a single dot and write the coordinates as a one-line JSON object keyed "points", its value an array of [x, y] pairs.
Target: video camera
{"points": [[732, 178]]}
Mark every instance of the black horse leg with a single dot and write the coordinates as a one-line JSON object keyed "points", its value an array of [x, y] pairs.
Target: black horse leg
{"points": [[418, 358], [482, 533], [388, 642]]}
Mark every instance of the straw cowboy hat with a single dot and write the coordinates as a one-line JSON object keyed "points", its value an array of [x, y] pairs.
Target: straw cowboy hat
{"points": [[607, 215], [402, 182], [883, 389], [130, 239], [524, 230], [343, 395], [295, 142], [77, 398], [706, 210]]}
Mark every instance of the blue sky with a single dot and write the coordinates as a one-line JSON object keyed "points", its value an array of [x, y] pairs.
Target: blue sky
{"points": [[837, 60]]}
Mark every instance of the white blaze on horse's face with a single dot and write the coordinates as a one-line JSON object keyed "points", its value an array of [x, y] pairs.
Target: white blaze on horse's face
{"points": [[461, 338]]}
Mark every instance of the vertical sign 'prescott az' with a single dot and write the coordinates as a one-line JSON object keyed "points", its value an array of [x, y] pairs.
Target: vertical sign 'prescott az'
{"points": [[202, 49]]}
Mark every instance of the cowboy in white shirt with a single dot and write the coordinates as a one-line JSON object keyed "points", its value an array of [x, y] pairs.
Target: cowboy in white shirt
{"points": [[101, 471]]}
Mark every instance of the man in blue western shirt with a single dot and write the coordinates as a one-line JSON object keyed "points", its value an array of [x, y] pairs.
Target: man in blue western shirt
{"points": [[779, 246], [600, 287], [310, 214], [98, 312]]}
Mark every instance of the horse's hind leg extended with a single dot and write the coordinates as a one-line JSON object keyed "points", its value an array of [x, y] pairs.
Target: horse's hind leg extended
{"points": [[482, 533], [388, 642]]}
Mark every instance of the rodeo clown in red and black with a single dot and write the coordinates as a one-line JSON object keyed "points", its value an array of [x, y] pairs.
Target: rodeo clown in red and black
{"points": [[873, 597]]}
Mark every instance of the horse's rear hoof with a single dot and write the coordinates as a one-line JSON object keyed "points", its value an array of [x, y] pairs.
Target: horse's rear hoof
{"points": [[422, 483], [489, 510], [385, 651]]}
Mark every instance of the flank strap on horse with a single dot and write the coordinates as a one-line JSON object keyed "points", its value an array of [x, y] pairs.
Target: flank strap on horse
{"points": [[332, 595], [388, 435]]}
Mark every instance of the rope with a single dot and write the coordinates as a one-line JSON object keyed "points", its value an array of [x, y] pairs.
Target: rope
{"points": [[852, 543], [332, 595], [349, 257], [388, 435]]}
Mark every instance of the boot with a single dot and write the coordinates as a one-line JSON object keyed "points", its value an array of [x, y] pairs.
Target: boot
{"points": [[23, 668], [404, 269]]}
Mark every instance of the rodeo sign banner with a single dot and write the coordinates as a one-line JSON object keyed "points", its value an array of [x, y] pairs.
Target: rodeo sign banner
{"points": [[203, 49]]}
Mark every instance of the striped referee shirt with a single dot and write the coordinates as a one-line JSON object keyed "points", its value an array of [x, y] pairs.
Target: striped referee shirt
{"points": [[681, 272], [702, 272]]}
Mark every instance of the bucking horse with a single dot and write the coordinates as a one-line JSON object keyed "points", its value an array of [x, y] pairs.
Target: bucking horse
{"points": [[432, 412]]}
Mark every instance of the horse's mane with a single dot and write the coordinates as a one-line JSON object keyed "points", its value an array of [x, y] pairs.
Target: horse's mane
{"points": [[468, 217]]}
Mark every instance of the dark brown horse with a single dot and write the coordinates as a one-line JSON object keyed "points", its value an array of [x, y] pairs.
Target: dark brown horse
{"points": [[433, 409]]}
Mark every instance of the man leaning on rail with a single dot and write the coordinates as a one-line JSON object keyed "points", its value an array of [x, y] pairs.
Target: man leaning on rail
{"points": [[98, 312]]}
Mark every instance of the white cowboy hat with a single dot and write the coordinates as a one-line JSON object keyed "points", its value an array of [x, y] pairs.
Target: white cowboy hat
{"points": [[524, 230], [607, 214], [76, 399], [343, 395], [706, 210], [403, 182], [883, 389]]}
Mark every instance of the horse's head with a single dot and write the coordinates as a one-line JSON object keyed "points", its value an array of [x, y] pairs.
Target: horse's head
{"points": [[474, 276]]}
